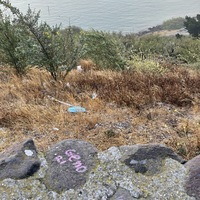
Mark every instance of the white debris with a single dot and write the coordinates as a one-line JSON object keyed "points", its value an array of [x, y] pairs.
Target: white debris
{"points": [[28, 152], [79, 68], [94, 95], [68, 84]]}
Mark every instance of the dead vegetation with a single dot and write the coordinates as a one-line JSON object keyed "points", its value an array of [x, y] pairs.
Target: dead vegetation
{"points": [[130, 108]]}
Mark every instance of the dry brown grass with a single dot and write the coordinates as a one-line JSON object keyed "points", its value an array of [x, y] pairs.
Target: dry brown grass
{"points": [[87, 65], [130, 108]]}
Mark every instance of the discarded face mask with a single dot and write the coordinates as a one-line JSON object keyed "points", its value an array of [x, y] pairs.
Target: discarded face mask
{"points": [[75, 109]]}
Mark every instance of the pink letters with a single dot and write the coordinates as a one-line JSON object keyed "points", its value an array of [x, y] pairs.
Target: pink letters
{"points": [[74, 158], [59, 160], [70, 152], [77, 164], [81, 169]]}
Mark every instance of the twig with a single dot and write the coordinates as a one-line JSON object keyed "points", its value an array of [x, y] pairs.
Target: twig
{"points": [[62, 102]]}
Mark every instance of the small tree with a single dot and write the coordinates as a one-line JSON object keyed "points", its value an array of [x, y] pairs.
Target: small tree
{"points": [[192, 24], [57, 53]]}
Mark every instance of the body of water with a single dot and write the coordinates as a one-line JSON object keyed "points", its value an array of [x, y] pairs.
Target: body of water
{"points": [[110, 15]]}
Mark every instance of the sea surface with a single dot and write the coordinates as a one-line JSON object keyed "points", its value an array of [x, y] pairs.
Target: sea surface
{"points": [[110, 15]]}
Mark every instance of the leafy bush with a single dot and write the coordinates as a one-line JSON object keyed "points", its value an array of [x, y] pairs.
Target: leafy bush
{"points": [[188, 50], [146, 65], [103, 49], [146, 46], [178, 50], [173, 24], [192, 24], [15, 45]]}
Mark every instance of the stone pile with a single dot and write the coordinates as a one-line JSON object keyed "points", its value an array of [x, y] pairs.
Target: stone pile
{"points": [[76, 170]]}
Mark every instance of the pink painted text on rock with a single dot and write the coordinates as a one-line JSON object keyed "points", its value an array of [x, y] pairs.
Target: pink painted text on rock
{"points": [[74, 158]]}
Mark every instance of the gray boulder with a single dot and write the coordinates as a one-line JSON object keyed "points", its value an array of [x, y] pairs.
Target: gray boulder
{"points": [[147, 158], [19, 161], [69, 163], [193, 180]]}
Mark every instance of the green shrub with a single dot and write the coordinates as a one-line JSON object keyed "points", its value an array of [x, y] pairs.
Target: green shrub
{"points": [[173, 24], [192, 24], [103, 49], [146, 65], [180, 50], [188, 50], [146, 46], [15, 45]]}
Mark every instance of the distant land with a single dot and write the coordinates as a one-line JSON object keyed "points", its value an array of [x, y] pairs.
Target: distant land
{"points": [[126, 16]]}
